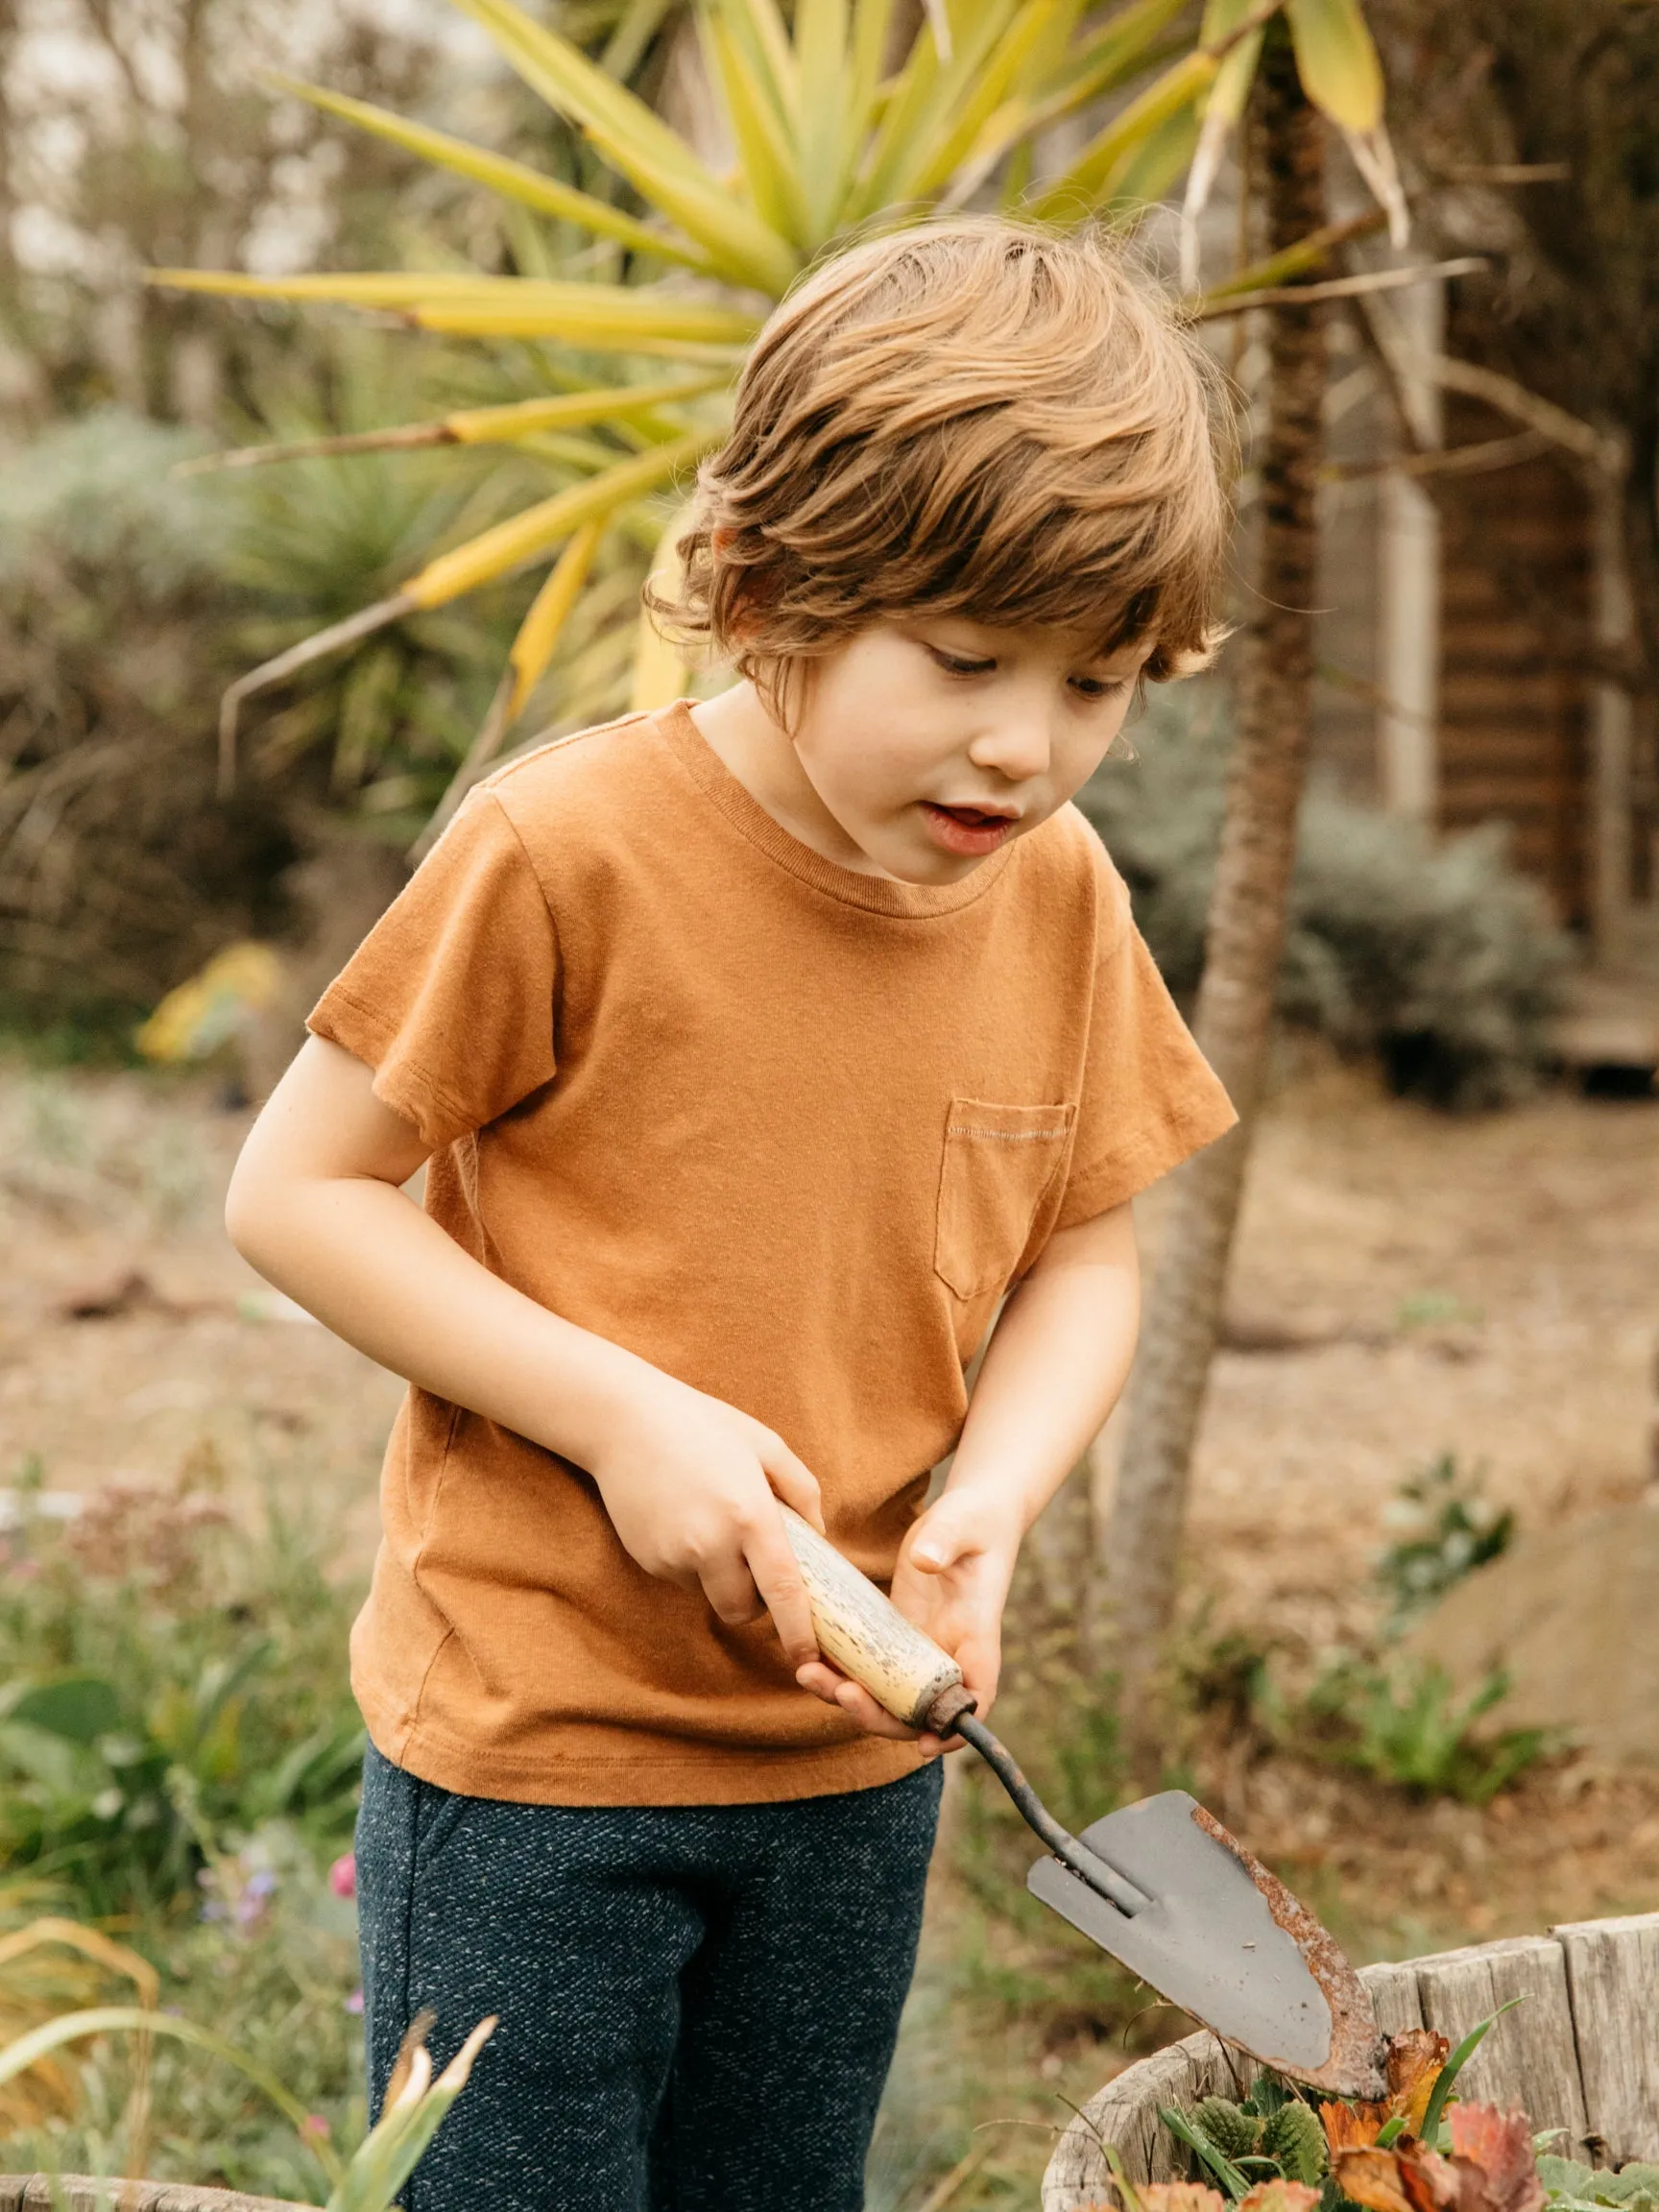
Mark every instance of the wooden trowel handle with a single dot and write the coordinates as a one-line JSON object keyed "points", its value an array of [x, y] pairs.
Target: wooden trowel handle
{"points": [[868, 1638]]}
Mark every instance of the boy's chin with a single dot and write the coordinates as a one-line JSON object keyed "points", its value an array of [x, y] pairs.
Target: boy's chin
{"points": [[928, 869]]}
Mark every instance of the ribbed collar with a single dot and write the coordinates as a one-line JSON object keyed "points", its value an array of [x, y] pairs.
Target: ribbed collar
{"points": [[876, 894]]}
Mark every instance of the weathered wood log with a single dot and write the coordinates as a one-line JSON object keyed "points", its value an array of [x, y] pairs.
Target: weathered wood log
{"points": [[1179, 2075], [1580, 2053], [1530, 2059], [1612, 1977], [82, 2193]]}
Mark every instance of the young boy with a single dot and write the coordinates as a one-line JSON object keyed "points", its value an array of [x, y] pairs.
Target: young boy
{"points": [[757, 1050]]}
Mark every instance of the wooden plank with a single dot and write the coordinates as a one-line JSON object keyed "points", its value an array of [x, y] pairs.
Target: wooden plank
{"points": [[1392, 1988], [1613, 1976], [1530, 2059], [82, 2193]]}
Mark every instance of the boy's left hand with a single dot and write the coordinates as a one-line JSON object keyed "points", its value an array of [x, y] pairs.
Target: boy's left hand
{"points": [[952, 1580]]}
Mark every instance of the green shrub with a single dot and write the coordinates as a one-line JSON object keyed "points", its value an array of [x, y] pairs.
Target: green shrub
{"points": [[170, 1685], [1437, 959], [1406, 1724], [1365, 1706]]}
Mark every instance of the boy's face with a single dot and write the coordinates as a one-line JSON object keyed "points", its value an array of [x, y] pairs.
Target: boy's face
{"points": [[930, 743]]}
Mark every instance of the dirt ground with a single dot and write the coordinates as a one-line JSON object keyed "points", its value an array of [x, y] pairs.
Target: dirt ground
{"points": [[1409, 1284]]}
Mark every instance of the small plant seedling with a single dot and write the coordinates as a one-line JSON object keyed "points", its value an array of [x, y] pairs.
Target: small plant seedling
{"points": [[1447, 1530]]}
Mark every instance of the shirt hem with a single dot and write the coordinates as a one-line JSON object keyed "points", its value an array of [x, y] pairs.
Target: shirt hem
{"points": [[700, 1776]]}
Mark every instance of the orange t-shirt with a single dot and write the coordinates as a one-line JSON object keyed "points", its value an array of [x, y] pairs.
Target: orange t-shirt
{"points": [[786, 1131]]}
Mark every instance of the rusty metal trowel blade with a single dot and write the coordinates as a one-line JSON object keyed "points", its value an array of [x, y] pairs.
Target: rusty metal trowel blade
{"points": [[1224, 1940]]}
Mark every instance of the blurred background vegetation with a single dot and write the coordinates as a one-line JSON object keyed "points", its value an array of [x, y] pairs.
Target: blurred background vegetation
{"points": [[177, 1741]]}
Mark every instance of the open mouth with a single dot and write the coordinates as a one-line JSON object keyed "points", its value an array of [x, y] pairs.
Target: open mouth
{"points": [[973, 829]]}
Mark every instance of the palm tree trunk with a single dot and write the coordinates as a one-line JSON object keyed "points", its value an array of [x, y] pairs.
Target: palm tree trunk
{"points": [[1248, 915]]}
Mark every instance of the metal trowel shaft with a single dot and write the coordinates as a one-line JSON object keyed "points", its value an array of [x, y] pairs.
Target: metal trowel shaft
{"points": [[861, 1631], [1105, 1880]]}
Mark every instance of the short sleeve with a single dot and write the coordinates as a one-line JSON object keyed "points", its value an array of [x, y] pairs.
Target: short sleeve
{"points": [[450, 998], [1150, 1098]]}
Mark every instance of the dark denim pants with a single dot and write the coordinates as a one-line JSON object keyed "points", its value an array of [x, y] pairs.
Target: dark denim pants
{"points": [[698, 2004]]}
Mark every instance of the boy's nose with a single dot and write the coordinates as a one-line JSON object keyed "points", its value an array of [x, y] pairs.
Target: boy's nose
{"points": [[1017, 746]]}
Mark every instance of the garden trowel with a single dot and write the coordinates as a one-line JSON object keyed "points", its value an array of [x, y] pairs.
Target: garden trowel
{"points": [[1160, 1884]]}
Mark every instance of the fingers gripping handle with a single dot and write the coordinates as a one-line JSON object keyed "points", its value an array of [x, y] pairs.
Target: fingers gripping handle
{"points": [[868, 1639]]}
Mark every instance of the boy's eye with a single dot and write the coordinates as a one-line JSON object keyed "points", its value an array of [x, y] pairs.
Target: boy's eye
{"points": [[1099, 687], [960, 663]]}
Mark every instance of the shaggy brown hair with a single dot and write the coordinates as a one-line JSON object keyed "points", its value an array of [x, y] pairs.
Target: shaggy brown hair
{"points": [[978, 417]]}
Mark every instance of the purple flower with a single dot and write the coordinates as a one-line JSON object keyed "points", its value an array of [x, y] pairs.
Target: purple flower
{"points": [[354, 2003], [343, 1876]]}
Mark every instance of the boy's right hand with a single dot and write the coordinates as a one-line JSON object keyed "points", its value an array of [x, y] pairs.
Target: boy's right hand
{"points": [[691, 1486]]}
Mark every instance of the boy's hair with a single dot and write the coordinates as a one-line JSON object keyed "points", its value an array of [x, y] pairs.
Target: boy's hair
{"points": [[976, 418]]}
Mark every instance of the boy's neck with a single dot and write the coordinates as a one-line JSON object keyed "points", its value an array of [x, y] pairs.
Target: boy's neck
{"points": [[756, 750]]}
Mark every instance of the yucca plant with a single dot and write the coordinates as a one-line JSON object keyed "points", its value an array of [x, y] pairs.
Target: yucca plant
{"points": [[832, 135]]}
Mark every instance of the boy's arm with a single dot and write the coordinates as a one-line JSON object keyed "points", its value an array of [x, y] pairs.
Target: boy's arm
{"points": [[1056, 1363], [690, 1483]]}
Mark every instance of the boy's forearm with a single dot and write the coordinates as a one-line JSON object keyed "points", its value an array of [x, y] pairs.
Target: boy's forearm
{"points": [[371, 1265], [1055, 1366]]}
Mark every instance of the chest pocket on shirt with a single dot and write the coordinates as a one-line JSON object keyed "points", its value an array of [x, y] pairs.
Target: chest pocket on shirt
{"points": [[999, 1161]]}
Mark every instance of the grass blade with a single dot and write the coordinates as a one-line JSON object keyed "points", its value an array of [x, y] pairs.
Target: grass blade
{"points": [[550, 611], [871, 22], [1336, 62], [1194, 2136], [1122, 44], [1435, 2107], [759, 29], [1002, 69], [130, 2019], [924, 102]]}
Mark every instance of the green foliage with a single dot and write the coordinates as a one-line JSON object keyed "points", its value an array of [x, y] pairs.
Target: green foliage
{"points": [[1367, 1707], [1235, 2132], [1572, 2187], [168, 1688], [1436, 958], [1209, 2154], [1274, 2134], [275, 1976], [1447, 1530], [161, 1652], [1269, 2134], [119, 867], [309, 540], [1406, 1724], [1295, 2142]]}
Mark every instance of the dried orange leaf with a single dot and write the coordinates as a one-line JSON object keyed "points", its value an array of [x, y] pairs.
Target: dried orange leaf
{"points": [[1492, 2153], [1414, 2060], [1351, 2126], [1179, 2196], [1278, 2196], [1427, 2177], [1371, 2178]]}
